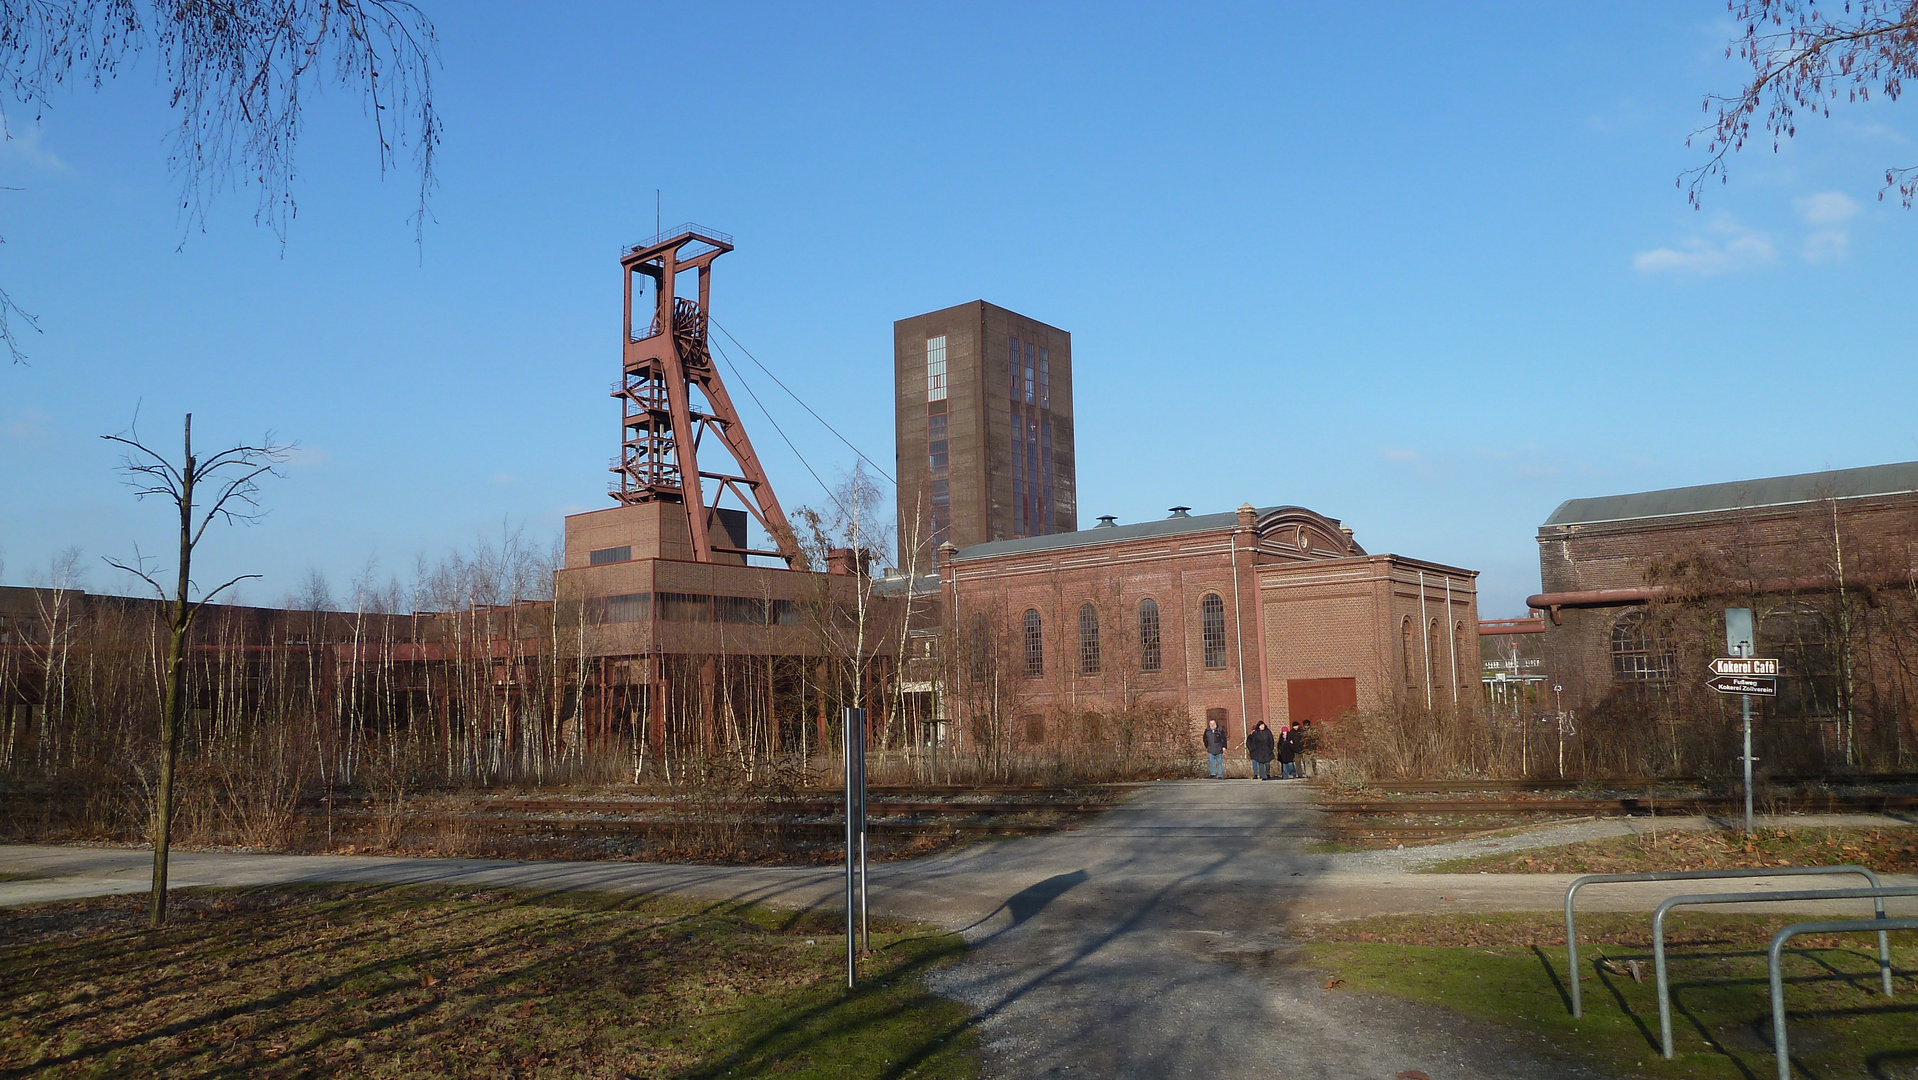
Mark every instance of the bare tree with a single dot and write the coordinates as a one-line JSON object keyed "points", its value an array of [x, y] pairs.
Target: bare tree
{"points": [[1804, 56], [237, 72], [232, 475]]}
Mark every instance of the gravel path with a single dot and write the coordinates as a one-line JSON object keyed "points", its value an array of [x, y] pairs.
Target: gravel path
{"points": [[1152, 941]]}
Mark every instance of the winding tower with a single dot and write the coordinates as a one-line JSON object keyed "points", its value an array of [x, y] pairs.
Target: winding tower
{"points": [[671, 398]]}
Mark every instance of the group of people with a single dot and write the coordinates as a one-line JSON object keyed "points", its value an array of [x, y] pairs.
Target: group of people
{"points": [[1296, 749]]}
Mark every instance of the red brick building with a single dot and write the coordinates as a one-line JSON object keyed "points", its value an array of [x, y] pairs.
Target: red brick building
{"points": [[1634, 587], [1275, 613]]}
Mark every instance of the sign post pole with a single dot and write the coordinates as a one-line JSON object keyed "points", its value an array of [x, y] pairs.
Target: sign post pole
{"points": [[853, 743], [1740, 641], [1746, 700]]}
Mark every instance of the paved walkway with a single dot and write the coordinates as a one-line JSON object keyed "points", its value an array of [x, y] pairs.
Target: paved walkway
{"points": [[1149, 942]]}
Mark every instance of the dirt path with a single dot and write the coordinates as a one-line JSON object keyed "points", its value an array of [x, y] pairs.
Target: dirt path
{"points": [[1149, 942]]}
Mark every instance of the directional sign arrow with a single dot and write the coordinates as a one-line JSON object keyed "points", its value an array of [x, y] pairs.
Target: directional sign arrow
{"points": [[1757, 686], [1744, 665]]}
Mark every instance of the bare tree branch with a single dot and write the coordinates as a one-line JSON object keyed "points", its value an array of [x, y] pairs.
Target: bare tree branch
{"points": [[236, 72], [1801, 59]]}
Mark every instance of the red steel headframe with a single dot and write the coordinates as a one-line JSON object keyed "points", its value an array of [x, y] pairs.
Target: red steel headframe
{"points": [[666, 357]]}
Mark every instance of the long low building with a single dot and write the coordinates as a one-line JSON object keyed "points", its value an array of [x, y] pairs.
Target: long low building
{"points": [[1276, 614]]}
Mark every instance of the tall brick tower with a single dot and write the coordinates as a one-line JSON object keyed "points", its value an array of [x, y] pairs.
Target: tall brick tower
{"points": [[983, 418]]}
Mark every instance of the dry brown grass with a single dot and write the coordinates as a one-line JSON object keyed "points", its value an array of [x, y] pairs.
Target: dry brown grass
{"points": [[1889, 851], [389, 982]]}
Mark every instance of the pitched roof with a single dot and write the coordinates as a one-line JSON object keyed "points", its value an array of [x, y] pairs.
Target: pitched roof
{"points": [[1171, 526], [1895, 479]]}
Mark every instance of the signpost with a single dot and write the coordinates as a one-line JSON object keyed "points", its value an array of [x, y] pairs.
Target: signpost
{"points": [[1757, 667], [1745, 684], [1743, 674]]}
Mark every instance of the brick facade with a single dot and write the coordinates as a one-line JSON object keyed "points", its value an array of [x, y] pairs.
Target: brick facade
{"points": [[1775, 543], [1305, 615], [978, 410]]}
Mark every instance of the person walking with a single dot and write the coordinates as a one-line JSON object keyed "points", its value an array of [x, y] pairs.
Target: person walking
{"points": [[1215, 744], [1288, 751], [1308, 749], [1259, 747]]}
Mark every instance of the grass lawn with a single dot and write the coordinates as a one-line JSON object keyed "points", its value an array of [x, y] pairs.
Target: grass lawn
{"points": [[1890, 851], [356, 981], [1510, 969]]}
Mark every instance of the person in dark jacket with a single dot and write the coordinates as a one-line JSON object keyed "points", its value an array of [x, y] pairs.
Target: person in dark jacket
{"points": [[1259, 747], [1288, 752], [1215, 748], [1308, 749]]}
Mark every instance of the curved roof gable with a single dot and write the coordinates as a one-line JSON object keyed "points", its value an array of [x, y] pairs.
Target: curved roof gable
{"points": [[1296, 531]]}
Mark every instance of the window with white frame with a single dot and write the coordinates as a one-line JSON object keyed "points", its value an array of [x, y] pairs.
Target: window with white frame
{"points": [[936, 368]]}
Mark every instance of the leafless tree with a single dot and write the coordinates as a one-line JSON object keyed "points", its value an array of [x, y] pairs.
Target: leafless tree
{"points": [[232, 476], [1804, 56], [237, 73]]}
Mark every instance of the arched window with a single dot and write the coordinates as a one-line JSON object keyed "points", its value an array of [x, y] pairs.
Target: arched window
{"points": [[1212, 618], [1148, 634], [1035, 644], [1405, 650], [1465, 678], [1435, 661], [1088, 640], [1638, 653], [1800, 636]]}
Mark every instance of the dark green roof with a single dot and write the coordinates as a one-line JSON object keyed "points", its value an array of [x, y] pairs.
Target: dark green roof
{"points": [[1871, 480], [1171, 526]]}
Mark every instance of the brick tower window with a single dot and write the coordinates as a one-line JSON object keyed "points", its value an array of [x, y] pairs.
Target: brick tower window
{"points": [[1212, 619], [936, 368], [1149, 635], [1088, 640], [1035, 644]]}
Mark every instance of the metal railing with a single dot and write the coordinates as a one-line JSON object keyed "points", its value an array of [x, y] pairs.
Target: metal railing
{"points": [[680, 230], [1571, 894], [1773, 958], [1877, 896]]}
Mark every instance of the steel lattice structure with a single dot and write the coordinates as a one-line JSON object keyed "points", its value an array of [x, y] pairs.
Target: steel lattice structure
{"points": [[666, 360]]}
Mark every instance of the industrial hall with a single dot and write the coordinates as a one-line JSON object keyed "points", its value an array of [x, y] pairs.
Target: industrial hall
{"points": [[1634, 589], [1275, 614]]}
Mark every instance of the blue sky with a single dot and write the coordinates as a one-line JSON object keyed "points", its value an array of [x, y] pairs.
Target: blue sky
{"points": [[1423, 268]]}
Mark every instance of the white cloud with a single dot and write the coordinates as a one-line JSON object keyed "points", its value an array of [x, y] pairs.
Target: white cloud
{"points": [[30, 428], [307, 457], [1826, 208], [1395, 454], [1826, 211], [1826, 246], [24, 145], [503, 479], [1731, 247]]}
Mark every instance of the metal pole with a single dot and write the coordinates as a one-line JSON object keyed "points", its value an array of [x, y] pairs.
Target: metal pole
{"points": [[865, 931], [1746, 699], [845, 753], [1745, 708]]}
